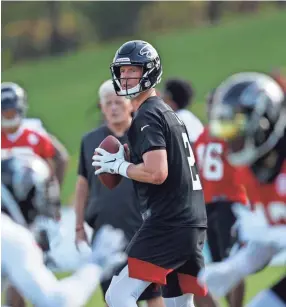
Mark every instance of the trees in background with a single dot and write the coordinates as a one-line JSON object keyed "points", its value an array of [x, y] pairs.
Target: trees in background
{"points": [[32, 29]]}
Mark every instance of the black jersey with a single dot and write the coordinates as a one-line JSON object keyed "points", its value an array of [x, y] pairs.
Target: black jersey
{"points": [[179, 200]]}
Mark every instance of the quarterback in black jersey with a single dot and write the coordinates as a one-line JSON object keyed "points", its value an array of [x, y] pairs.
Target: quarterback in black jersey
{"points": [[167, 249]]}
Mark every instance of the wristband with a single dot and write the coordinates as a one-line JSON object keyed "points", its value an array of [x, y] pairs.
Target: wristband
{"points": [[122, 170]]}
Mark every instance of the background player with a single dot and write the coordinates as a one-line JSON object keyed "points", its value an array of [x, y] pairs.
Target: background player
{"points": [[179, 95], [168, 247], [14, 105], [249, 113], [221, 190], [17, 139], [27, 183]]}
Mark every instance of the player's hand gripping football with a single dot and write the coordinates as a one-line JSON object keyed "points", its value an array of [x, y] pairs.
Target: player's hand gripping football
{"points": [[107, 251], [108, 162]]}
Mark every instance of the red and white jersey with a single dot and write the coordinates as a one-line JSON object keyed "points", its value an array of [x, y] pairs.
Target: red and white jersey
{"points": [[219, 178], [26, 141], [269, 197]]}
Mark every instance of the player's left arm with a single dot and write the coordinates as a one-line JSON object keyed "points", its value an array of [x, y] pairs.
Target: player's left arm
{"points": [[60, 159], [153, 170], [150, 145], [47, 152]]}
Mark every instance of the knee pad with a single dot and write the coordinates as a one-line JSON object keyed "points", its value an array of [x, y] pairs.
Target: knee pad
{"points": [[117, 295], [186, 300], [124, 291]]}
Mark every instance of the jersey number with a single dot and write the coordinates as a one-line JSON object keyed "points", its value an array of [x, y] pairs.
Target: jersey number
{"points": [[210, 161], [191, 160]]}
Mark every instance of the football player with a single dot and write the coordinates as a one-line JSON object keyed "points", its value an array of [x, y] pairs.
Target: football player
{"points": [[99, 205], [221, 191], [19, 140], [179, 95], [249, 113], [28, 191], [23, 134], [167, 249]]}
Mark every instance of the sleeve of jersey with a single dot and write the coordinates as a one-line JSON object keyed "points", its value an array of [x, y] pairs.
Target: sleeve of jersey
{"points": [[150, 133], [81, 164], [24, 266], [48, 148]]}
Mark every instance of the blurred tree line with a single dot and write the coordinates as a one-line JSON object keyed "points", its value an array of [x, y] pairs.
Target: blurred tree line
{"points": [[32, 29]]}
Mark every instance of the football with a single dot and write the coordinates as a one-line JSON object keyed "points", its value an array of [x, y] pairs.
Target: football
{"points": [[110, 144]]}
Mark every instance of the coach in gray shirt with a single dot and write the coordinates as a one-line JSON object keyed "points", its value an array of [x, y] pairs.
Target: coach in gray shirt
{"points": [[96, 204]]}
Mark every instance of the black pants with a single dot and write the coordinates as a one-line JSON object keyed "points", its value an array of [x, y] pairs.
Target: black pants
{"points": [[220, 221]]}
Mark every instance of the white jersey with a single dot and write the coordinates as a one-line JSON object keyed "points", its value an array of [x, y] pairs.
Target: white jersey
{"points": [[192, 123], [34, 124], [22, 263]]}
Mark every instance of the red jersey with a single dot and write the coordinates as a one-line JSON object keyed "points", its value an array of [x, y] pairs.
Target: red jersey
{"points": [[219, 178], [26, 141], [269, 197]]}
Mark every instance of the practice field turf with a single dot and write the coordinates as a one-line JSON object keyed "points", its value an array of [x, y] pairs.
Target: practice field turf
{"points": [[63, 91], [254, 285]]}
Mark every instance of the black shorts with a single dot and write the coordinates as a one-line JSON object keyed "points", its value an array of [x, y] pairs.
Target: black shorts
{"points": [[280, 289], [168, 256], [220, 221]]}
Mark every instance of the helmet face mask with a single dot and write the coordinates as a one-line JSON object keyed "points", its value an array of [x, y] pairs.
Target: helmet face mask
{"points": [[13, 105], [249, 114], [11, 122], [140, 54]]}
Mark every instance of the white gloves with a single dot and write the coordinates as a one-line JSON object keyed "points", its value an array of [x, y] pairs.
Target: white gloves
{"points": [[251, 225], [107, 250], [110, 163], [254, 227]]}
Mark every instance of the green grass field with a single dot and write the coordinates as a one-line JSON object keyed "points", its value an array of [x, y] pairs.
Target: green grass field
{"points": [[63, 90], [255, 284]]}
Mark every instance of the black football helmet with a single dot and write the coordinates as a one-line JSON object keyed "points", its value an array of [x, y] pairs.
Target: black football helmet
{"points": [[249, 112], [137, 53], [28, 189], [13, 97]]}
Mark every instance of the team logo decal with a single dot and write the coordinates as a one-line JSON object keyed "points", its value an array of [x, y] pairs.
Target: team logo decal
{"points": [[149, 51]]}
